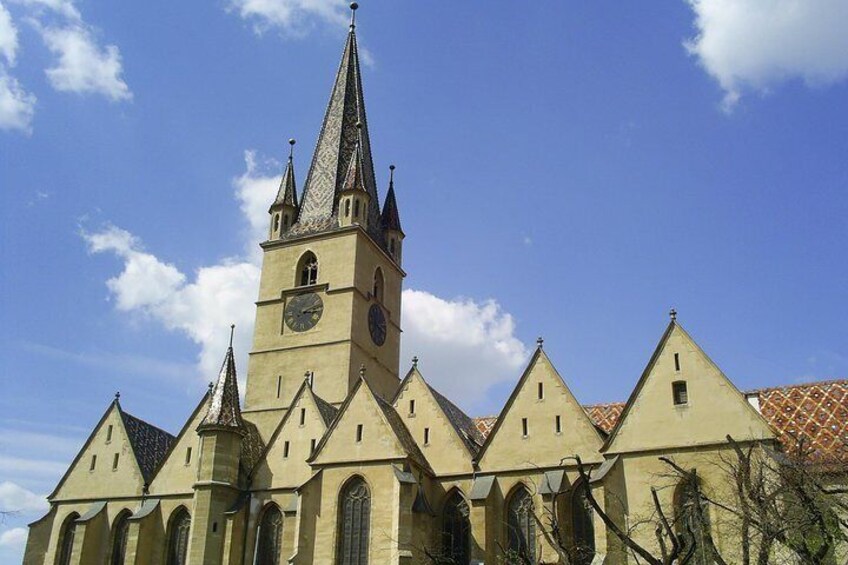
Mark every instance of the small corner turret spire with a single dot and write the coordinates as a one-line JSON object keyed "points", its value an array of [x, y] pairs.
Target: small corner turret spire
{"points": [[285, 209], [224, 408]]}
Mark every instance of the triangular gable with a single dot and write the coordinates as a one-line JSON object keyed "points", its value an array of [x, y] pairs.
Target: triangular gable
{"points": [[384, 436], [507, 447], [174, 475], [433, 417], [714, 408], [80, 481], [275, 464]]}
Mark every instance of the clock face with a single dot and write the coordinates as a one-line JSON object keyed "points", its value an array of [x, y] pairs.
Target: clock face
{"points": [[303, 311], [377, 324]]}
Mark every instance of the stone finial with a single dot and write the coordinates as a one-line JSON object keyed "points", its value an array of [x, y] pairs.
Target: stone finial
{"points": [[211, 386], [362, 371], [415, 362], [540, 341], [672, 314], [117, 396]]}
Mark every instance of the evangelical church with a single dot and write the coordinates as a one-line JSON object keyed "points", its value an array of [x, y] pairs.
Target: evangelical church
{"points": [[337, 455]]}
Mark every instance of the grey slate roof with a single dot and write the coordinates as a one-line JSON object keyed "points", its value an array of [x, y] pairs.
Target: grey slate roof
{"points": [[224, 409], [328, 411], [464, 425], [150, 444], [336, 143], [287, 193]]}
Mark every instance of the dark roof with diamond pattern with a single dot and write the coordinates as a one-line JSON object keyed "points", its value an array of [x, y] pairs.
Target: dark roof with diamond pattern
{"points": [[345, 125], [150, 444], [462, 423], [224, 409]]}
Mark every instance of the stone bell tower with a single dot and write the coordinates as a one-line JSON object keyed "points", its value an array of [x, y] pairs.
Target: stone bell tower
{"points": [[330, 289]]}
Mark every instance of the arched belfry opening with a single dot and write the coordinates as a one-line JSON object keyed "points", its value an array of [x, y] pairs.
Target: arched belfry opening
{"points": [[307, 269]]}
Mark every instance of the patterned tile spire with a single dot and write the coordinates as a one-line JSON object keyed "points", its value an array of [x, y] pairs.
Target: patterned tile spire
{"points": [[345, 127], [224, 409], [390, 218], [287, 193]]}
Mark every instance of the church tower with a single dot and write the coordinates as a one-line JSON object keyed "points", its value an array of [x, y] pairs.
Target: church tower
{"points": [[330, 288]]}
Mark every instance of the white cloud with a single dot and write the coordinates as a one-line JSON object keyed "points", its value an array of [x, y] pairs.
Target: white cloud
{"points": [[15, 498], [83, 66], [64, 8], [8, 36], [17, 106], [753, 45], [293, 17], [14, 538], [31, 467], [465, 346]]}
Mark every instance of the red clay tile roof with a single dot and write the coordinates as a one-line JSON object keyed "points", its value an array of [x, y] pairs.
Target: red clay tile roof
{"points": [[814, 412]]}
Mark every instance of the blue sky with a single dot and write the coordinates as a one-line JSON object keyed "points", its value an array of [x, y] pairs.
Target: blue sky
{"points": [[571, 170]]}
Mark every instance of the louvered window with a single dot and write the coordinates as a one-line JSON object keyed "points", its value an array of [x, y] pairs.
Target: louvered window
{"points": [[270, 547], [120, 534], [455, 530], [354, 523], [178, 538], [521, 527]]}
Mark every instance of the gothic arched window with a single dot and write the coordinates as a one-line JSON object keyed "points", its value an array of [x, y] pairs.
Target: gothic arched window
{"points": [[379, 283], [583, 528], [270, 545], [455, 530], [354, 523], [276, 222], [521, 526], [66, 547], [692, 520], [308, 269], [178, 533], [120, 534]]}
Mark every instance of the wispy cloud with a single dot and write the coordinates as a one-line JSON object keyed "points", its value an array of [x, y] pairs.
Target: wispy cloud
{"points": [[291, 17], [17, 106], [15, 498], [754, 45], [14, 539]]}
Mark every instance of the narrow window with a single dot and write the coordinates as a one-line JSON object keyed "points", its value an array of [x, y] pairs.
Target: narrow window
{"points": [[115, 463], [392, 246], [412, 406], [356, 208], [188, 455], [312, 446], [347, 208], [681, 395], [358, 433], [279, 385], [541, 391], [379, 284], [285, 450], [426, 436], [214, 527], [276, 222], [308, 269], [524, 427], [93, 463], [558, 425], [286, 222], [109, 433], [302, 416], [676, 361]]}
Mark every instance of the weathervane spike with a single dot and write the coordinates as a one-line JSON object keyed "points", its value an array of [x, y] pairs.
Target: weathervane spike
{"points": [[232, 331], [292, 141], [391, 174], [353, 7]]}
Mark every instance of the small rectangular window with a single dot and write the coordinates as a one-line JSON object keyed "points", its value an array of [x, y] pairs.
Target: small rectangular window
{"points": [[279, 385], [302, 416], [524, 427], [109, 433], [358, 433], [558, 425], [188, 455], [356, 208], [412, 406], [115, 463], [214, 527], [681, 395], [426, 436], [93, 463], [312, 446], [676, 361], [541, 391], [285, 449]]}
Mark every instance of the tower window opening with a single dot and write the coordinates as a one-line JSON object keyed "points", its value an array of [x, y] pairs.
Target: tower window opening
{"points": [[558, 424], [109, 433], [541, 391], [115, 462], [285, 449], [286, 222], [214, 527], [347, 208], [276, 222], [426, 436], [679, 392], [392, 246], [302, 416], [279, 384], [308, 269], [93, 463], [524, 427], [356, 208], [677, 362], [358, 433], [412, 407], [379, 285], [188, 456]]}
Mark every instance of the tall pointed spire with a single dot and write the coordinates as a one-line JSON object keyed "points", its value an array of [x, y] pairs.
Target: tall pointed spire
{"points": [[345, 126], [224, 408], [390, 218]]}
